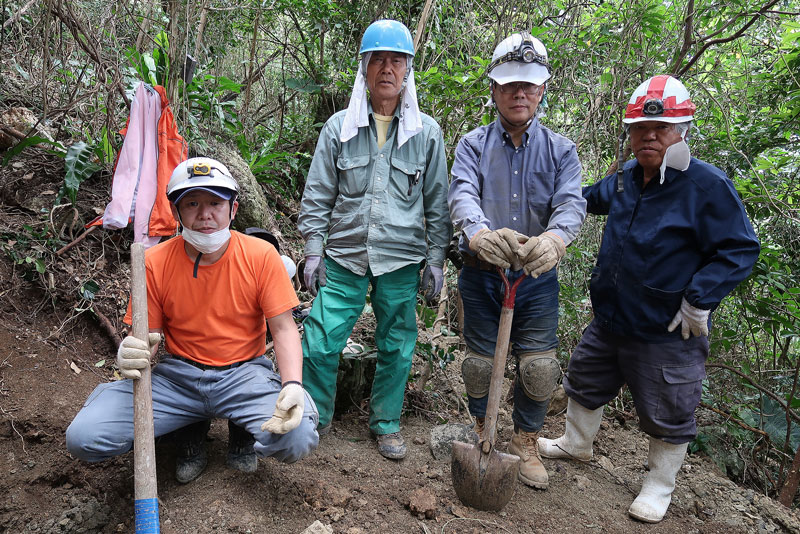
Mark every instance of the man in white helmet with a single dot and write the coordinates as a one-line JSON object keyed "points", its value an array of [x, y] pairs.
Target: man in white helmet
{"points": [[515, 197], [374, 211], [209, 292], [676, 241]]}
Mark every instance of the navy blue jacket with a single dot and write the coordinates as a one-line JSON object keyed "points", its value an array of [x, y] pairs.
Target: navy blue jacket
{"points": [[688, 237]]}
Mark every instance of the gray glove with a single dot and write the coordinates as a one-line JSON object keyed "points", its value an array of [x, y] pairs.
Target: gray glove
{"points": [[134, 354], [288, 410], [541, 254], [432, 280], [498, 247], [314, 273], [693, 321]]}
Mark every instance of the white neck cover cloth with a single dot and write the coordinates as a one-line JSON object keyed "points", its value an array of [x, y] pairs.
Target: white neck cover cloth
{"points": [[357, 115], [677, 156]]}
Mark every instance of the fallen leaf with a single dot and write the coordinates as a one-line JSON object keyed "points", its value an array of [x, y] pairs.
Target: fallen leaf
{"points": [[74, 368], [101, 363]]}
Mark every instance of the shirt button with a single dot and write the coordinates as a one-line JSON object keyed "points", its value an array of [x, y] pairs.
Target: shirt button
{"points": [[513, 218], [516, 172], [379, 178], [370, 247], [374, 225], [381, 155], [515, 195]]}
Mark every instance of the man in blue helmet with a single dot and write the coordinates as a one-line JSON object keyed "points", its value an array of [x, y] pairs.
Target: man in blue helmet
{"points": [[374, 211], [516, 199]]}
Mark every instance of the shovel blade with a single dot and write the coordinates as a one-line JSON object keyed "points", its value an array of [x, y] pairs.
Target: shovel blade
{"points": [[483, 481]]}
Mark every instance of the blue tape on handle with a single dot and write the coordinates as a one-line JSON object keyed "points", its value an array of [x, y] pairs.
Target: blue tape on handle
{"points": [[146, 514]]}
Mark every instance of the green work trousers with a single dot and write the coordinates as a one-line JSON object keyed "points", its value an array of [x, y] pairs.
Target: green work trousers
{"points": [[336, 308]]}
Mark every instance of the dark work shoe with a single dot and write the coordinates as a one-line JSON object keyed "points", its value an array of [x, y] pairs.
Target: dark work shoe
{"points": [[241, 455], [192, 456], [391, 446]]}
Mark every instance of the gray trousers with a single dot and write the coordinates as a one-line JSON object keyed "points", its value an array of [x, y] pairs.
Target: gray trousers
{"points": [[182, 394], [665, 379]]}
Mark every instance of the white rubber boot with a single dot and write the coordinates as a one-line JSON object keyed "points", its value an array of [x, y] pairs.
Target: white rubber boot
{"points": [[664, 459], [576, 443]]}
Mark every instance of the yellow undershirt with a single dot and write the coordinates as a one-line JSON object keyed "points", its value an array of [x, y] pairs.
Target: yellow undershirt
{"points": [[382, 123]]}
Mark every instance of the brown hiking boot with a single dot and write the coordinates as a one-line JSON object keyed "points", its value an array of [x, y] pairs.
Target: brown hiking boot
{"points": [[531, 471], [479, 428]]}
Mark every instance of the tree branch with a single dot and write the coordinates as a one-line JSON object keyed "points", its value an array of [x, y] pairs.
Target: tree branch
{"points": [[764, 9]]}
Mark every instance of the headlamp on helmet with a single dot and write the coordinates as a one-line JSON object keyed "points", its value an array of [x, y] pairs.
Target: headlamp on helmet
{"points": [[660, 98], [524, 53], [201, 173]]}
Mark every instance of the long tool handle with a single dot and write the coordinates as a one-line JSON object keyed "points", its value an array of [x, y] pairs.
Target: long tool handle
{"points": [[498, 370], [144, 450]]}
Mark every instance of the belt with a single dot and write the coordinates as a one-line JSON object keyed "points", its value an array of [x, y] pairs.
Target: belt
{"points": [[477, 263], [205, 367]]}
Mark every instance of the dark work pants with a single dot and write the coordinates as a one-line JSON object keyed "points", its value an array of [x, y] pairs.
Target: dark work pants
{"points": [[665, 379]]}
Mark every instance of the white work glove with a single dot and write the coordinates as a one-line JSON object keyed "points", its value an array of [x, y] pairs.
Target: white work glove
{"points": [[498, 247], [541, 254], [691, 319], [314, 273], [288, 410], [432, 280], [134, 354]]}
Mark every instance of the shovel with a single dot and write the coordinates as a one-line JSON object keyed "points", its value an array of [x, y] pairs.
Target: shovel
{"points": [[483, 477]]}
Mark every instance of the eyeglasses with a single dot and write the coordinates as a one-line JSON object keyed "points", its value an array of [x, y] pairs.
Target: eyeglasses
{"points": [[512, 88]]}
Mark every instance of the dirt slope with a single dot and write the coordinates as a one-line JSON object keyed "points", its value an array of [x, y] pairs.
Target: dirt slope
{"points": [[51, 359]]}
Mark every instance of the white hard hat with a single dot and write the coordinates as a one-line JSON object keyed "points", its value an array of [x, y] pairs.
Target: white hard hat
{"points": [[201, 173], [661, 98], [520, 57]]}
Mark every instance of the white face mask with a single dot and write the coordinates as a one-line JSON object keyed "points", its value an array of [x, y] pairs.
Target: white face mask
{"points": [[207, 243], [676, 156]]}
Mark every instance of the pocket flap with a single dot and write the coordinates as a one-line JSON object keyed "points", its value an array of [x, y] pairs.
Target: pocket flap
{"points": [[683, 374], [344, 163], [407, 167]]}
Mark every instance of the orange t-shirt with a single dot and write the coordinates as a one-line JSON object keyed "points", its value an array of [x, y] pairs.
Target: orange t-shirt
{"points": [[218, 317]]}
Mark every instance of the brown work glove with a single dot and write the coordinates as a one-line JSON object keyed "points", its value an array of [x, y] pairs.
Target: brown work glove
{"points": [[541, 254], [498, 247]]}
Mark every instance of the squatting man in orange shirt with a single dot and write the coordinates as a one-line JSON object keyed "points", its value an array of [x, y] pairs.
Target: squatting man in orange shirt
{"points": [[208, 292]]}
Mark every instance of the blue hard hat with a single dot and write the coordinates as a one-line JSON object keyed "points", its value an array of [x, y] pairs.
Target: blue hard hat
{"points": [[389, 35]]}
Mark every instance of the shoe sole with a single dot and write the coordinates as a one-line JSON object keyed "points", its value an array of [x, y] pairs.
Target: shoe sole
{"points": [[536, 485]]}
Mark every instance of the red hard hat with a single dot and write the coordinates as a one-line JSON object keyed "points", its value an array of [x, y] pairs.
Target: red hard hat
{"points": [[661, 98]]}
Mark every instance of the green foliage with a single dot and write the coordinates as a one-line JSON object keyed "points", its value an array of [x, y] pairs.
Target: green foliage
{"points": [[270, 95], [30, 249], [78, 166]]}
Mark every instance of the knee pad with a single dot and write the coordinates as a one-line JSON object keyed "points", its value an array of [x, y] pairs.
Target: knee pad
{"points": [[539, 373], [476, 370]]}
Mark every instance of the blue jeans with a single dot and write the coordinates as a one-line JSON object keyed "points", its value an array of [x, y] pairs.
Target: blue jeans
{"points": [[533, 329], [183, 394], [665, 379]]}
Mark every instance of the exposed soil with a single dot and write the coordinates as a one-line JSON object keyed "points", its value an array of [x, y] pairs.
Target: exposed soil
{"points": [[51, 358]]}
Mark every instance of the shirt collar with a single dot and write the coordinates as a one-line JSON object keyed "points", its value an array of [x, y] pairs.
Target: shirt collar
{"points": [[527, 136], [670, 175]]}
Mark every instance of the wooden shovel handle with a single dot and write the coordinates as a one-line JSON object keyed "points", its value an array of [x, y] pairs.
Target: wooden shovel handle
{"points": [[144, 453], [499, 364]]}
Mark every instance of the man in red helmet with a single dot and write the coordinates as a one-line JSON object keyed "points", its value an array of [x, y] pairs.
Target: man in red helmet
{"points": [[676, 241]]}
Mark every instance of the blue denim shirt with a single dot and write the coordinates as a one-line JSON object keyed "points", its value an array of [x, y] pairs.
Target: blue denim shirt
{"points": [[531, 189], [688, 237], [377, 208]]}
